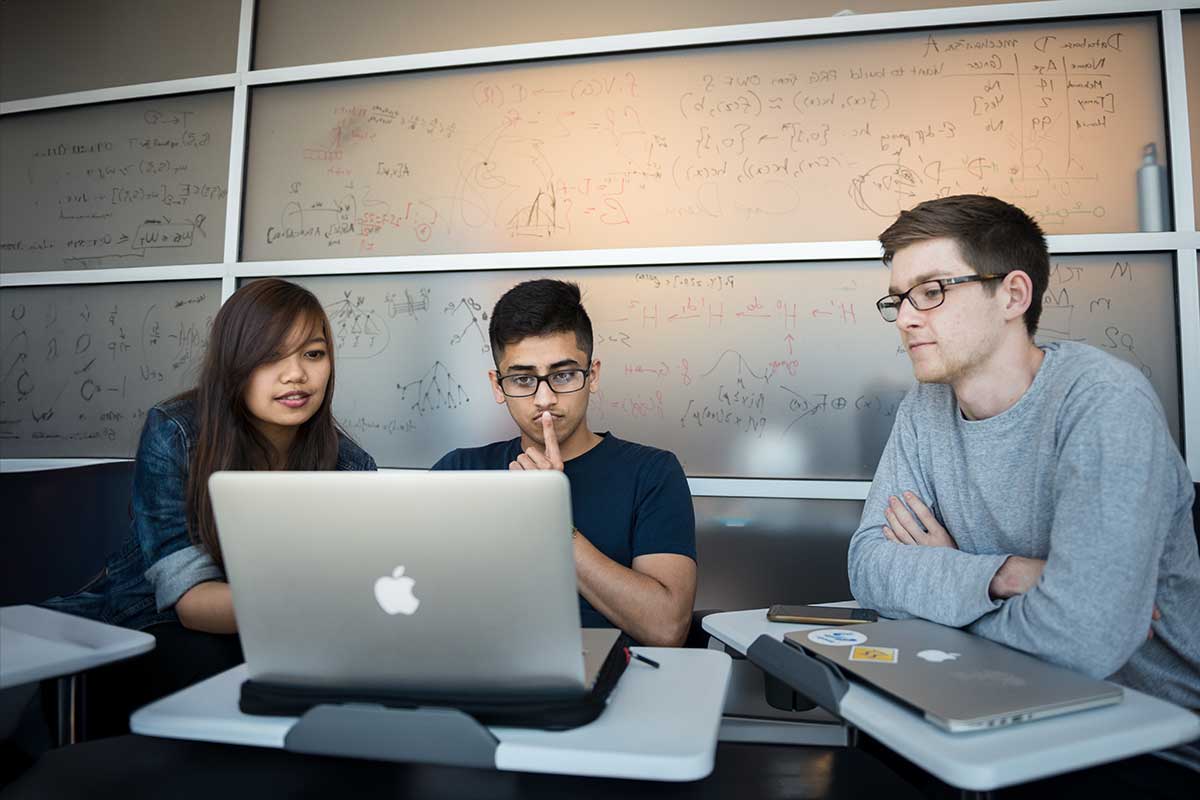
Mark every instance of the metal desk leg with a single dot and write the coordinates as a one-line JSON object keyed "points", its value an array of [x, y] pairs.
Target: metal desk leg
{"points": [[70, 723]]}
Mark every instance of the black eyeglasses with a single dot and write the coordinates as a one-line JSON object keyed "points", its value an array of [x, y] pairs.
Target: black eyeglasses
{"points": [[562, 382], [928, 295]]}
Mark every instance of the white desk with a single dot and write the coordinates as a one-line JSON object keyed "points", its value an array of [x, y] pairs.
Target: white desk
{"points": [[660, 724], [990, 759], [37, 643]]}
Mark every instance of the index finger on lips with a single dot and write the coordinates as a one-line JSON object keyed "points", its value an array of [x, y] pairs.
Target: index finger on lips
{"points": [[551, 438]]}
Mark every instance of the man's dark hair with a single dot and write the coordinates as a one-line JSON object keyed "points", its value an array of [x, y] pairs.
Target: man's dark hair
{"points": [[539, 308], [992, 237]]}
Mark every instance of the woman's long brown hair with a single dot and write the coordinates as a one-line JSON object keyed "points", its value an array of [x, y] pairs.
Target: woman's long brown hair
{"points": [[251, 329]]}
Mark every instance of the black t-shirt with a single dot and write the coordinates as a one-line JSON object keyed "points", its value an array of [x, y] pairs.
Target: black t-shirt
{"points": [[628, 499]]}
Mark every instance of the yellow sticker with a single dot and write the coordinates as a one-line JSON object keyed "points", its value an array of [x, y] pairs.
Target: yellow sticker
{"points": [[877, 655]]}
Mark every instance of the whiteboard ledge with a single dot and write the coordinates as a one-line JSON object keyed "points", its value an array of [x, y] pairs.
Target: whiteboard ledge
{"points": [[861, 250], [794, 489], [133, 92], [650, 257], [1122, 242], [633, 256], [179, 272]]}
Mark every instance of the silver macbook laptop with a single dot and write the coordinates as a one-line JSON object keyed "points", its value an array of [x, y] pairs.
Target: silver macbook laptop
{"points": [[960, 682], [424, 581]]}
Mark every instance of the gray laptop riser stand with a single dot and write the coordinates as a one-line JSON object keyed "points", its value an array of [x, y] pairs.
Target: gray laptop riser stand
{"points": [[823, 684], [423, 734]]}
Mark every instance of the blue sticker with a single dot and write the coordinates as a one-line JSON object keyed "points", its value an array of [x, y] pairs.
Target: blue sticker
{"points": [[837, 637]]}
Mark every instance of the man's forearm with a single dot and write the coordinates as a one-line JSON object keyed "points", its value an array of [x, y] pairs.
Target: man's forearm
{"points": [[637, 603], [935, 583]]}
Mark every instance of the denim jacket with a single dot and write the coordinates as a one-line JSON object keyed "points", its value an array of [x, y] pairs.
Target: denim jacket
{"points": [[159, 563]]}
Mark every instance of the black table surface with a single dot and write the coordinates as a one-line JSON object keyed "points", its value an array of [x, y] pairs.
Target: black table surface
{"points": [[130, 767]]}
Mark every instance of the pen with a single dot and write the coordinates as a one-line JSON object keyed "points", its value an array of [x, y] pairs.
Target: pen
{"points": [[643, 659]]}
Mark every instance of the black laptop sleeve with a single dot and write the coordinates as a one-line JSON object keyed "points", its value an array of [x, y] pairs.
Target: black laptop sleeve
{"points": [[547, 712]]}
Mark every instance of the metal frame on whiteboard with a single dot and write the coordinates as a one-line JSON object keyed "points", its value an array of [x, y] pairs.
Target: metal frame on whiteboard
{"points": [[1183, 201], [237, 146], [573, 259], [1183, 241]]}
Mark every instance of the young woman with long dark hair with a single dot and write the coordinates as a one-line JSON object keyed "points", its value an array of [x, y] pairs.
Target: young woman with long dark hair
{"points": [[262, 401]]}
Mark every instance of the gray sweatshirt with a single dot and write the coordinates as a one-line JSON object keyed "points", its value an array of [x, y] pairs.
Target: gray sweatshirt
{"points": [[1081, 472]]}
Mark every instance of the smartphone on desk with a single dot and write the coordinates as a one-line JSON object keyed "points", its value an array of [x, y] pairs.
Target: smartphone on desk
{"points": [[821, 615]]}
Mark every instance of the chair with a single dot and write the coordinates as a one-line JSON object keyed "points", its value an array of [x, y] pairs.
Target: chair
{"points": [[62, 524]]}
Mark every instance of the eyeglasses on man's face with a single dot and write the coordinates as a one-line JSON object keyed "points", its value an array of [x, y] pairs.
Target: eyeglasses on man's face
{"points": [[527, 384], [928, 295]]}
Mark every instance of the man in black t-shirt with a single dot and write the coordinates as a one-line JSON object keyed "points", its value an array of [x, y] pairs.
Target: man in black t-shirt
{"points": [[635, 531]]}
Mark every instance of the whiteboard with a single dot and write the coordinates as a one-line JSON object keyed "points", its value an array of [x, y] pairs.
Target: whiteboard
{"points": [[791, 141], [133, 184], [81, 365], [748, 370]]}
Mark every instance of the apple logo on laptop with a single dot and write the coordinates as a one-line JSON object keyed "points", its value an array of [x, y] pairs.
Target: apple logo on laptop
{"points": [[394, 593], [937, 656]]}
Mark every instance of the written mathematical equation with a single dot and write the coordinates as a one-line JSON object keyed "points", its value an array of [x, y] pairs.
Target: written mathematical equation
{"points": [[80, 366], [128, 184], [767, 370], [810, 140]]}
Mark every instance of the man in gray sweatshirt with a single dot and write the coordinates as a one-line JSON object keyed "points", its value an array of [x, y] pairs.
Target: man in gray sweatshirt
{"points": [[1032, 495]]}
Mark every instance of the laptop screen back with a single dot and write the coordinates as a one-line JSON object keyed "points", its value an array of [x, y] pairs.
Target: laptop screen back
{"points": [[460, 581], [958, 680]]}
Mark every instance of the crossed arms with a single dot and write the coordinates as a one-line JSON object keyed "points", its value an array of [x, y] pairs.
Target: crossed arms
{"points": [[1083, 599]]}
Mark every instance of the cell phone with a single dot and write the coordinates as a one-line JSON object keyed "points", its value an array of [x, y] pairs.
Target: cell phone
{"points": [[821, 615]]}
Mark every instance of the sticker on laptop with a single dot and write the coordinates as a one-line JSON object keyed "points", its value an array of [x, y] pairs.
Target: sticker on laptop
{"points": [[837, 637], [936, 656], [875, 655]]}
